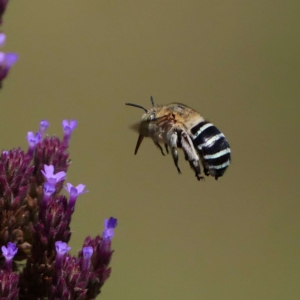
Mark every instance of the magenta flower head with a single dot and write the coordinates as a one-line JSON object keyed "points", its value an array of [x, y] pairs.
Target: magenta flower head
{"points": [[7, 60], [52, 178], [3, 4], [43, 127], [109, 226], [74, 192], [9, 252]]}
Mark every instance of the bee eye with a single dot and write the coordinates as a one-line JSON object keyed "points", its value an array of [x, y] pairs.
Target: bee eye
{"points": [[152, 116]]}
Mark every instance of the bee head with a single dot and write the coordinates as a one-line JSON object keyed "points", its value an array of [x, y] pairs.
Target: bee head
{"points": [[142, 127], [149, 113]]}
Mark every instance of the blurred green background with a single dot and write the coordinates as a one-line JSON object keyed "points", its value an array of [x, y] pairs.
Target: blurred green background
{"points": [[237, 63]]}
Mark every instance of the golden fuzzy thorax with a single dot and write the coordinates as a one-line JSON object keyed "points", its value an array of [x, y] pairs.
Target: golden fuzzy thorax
{"points": [[179, 114]]}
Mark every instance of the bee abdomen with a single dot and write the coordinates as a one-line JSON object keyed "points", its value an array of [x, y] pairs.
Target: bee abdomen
{"points": [[213, 148]]}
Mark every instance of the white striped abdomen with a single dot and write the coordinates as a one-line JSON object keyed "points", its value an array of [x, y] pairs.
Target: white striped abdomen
{"points": [[213, 148]]}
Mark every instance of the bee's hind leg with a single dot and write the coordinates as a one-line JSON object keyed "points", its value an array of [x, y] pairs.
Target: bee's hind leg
{"points": [[173, 145], [190, 154]]}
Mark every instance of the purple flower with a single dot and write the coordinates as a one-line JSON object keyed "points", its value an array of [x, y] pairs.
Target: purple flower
{"points": [[9, 252], [51, 177], [43, 126], [33, 140], [74, 192], [3, 4], [68, 128], [61, 248], [87, 254], [49, 188], [109, 226], [7, 60], [2, 39]]}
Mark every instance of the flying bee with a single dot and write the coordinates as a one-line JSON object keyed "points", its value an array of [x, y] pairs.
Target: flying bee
{"points": [[178, 126]]}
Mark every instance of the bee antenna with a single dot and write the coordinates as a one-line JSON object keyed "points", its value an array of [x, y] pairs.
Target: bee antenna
{"points": [[135, 105], [152, 101]]}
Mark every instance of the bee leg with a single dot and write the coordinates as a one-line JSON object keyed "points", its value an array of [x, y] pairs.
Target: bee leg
{"points": [[173, 146], [167, 149], [159, 147], [190, 154]]}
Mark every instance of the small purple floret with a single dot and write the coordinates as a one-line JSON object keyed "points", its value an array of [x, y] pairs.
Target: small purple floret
{"points": [[52, 178], [49, 188], [68, 128], [33, 139], [109, 226], [75, 191], [10, 251], [87, 254], [61, 248], [7, 60], [43, 126]]}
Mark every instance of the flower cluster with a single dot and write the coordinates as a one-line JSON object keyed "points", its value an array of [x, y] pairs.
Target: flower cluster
{"points": [[35, 225], [7, 60], [35, 218]]}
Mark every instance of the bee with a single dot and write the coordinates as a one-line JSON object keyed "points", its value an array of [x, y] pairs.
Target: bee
{"points": [[178, 126]]}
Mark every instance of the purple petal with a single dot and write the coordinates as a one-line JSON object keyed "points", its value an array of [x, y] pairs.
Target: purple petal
{"points": [[68, 187], [48, 171], [80, 188], [30, 136], [10, 59], [111, 223], [73, 124], [60, 176], [65, 123], [4, 250]]}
